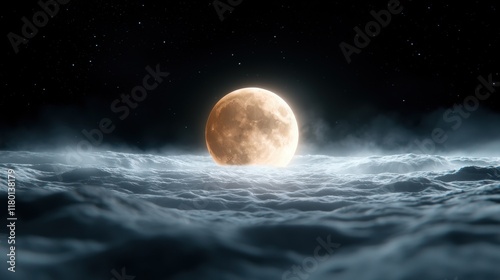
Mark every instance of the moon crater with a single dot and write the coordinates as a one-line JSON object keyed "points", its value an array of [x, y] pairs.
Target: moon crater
{"points": [[252, 126]]}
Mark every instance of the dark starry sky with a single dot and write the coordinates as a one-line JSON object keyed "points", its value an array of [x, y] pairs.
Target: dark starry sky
{"points": [[66, 77]]}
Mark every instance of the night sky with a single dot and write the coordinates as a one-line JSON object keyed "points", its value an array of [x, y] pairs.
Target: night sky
{"points": [[427, 59]]}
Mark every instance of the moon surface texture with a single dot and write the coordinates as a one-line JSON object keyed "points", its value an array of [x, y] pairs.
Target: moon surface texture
{"points": [[252, 126]]}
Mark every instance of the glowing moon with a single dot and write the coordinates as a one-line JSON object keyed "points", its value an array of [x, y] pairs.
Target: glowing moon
{"points": [[252, 126]]}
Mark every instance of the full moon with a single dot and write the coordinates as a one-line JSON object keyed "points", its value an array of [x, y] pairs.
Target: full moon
{"points": [[252, 126]]}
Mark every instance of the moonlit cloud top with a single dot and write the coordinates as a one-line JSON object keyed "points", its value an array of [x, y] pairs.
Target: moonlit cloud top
{"points": [[217, 221]]}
